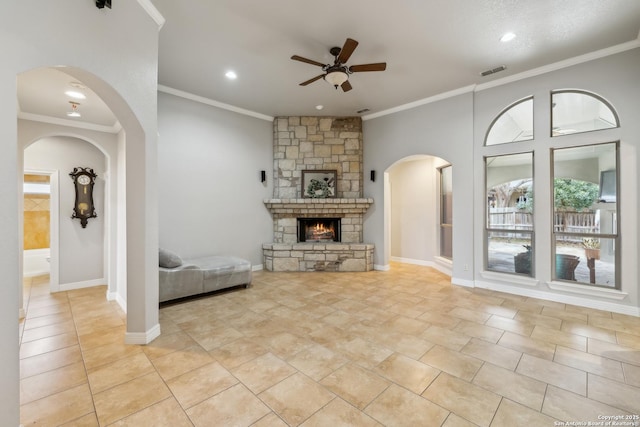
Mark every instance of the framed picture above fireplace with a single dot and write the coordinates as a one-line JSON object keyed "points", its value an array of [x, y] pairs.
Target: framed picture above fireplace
{"points": [[318, 184]]}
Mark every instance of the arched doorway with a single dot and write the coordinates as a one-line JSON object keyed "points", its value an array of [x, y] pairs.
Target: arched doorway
{"points": [[414, 200]]}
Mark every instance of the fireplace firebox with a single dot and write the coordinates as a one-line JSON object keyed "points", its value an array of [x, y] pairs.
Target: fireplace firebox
{"points": [[318, 229]]}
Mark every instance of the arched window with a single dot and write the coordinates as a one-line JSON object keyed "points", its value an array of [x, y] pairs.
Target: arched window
{"points": [[575, 111], [513, 124]]}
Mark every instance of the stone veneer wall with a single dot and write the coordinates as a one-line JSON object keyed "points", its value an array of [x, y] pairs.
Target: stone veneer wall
{"points": [[317, 143]]}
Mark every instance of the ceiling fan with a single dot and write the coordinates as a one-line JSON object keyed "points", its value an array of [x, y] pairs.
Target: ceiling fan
{"points": [[337, 74]]}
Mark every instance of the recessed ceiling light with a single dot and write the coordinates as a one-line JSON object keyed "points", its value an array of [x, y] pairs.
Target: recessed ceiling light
{"points": [[319, 107], [507, 37], [75, 94], [231, 75]]}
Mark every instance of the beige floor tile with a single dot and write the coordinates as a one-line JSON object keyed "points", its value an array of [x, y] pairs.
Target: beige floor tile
{"points": [[340, 413], [618, 324], [553, 373], [52, 319], [270, 420], [629, 340], [128, 398], [263, 372], [512, 325], [590, 363], [409, 345], [441, 319], [470, 315], [51, 382], [236, 406], [363, 352], [406, 372], [89, 420], [477, 330], [49, 331], [539, 320], [213, 338], [58, 408], [355, 384], [164, 413], [45, 345], [113, 335], [119, 372], [406, 325], [571, 316], [48, 361], [588, 331], [528, 345], [614, 393], [631, 374], [181, 361], [455, 363], [109, 353], [317, 361], [566, 406], [285, 344], [446, 337], [111, 320], [555, 336], [167, 343], [296, 398], [463, 399], [399, 407], [513, 414], [454, 420], [492, 353], [48, 310], [613, 351], [200, 384], [519, 388], [238, 352]]}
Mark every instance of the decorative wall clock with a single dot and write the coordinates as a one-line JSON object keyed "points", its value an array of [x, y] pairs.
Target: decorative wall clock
{"points": [[83, 180]]}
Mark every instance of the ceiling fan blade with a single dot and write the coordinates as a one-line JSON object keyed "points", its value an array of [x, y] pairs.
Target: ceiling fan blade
{"points": [[312, 80], [308, 61], [346, 86], [380, 66], [346, 51]]}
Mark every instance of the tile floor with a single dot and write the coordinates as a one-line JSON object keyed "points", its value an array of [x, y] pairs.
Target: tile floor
{"points": [[396, 348]]}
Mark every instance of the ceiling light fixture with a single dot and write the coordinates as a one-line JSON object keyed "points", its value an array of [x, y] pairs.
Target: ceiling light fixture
{"points": [[74, 110], [231, 75], [75, 94], [507, 37], [336, 77], [319, 107]]}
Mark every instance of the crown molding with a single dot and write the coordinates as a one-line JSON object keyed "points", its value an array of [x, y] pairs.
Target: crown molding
{"points": [[153, 12], [116, 128], [211, 102], [633, 44]]}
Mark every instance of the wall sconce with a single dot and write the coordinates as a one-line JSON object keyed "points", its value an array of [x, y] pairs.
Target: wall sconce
{"points": [[100, 4], [373, 176], [263, 176]]}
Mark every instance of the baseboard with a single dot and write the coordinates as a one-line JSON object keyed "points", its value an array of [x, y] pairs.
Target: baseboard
{"points": [[257, 267], [80, 285], [35, 273], [381, 267], [435, 265], [142, 337], [115, 296], [565, 299], [463, 282]]}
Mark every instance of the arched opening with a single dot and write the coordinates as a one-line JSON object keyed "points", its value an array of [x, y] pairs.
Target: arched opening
{"points": [[415, 204]]}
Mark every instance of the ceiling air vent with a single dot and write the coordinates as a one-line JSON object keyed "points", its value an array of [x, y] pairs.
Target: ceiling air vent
{"points": [[493, 71]]}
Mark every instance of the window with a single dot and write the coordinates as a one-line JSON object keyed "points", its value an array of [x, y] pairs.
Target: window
{"points": [[579, 111], [514, 123], [446, 212], [509, 198], [585, 222]]}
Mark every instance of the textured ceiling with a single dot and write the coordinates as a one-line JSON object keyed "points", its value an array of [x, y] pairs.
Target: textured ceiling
{"points": [[430, 46]]}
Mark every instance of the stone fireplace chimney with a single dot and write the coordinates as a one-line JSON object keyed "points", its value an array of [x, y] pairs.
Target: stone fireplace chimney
{"points": [[308, 144]]}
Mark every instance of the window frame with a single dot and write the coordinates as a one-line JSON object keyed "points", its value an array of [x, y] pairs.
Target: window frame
{"points": [[441, 222], [505, 110]]}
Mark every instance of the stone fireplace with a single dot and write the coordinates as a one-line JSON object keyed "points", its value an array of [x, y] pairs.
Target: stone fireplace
{"points": [[303, 144]]}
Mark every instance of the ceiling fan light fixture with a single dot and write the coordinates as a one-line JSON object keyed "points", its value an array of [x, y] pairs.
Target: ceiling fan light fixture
{"points": [[336, 78]]}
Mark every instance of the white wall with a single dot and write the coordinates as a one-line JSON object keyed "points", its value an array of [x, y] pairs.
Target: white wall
{"points": [[93, 45], [441, 129], [413, 210], [81, 250], [210, 194]]}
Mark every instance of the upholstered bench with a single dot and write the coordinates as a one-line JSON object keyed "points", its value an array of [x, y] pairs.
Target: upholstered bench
{"points": [[182, 278]]}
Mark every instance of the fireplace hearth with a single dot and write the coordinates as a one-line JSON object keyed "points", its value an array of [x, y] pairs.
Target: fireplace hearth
{"points": [[318, 229]]}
